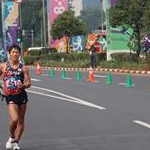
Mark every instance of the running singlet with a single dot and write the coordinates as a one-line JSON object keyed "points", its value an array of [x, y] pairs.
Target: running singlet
{"points": [[11, 78]]}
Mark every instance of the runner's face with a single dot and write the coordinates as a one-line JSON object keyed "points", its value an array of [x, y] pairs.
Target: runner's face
{"points": [[14, 54]]}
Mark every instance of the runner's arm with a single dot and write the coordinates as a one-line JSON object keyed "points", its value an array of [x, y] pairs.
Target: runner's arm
{"points": [[27, 80], [1, 69]]}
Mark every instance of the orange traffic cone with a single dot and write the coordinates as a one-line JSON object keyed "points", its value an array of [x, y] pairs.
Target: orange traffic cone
{"points": [[38, 69], [91, 76]]}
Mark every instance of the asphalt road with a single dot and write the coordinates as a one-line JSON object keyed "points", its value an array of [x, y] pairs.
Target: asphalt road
{"points": [[66, 114]]}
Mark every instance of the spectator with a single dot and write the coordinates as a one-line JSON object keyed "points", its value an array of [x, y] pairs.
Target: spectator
{"points": [[93, 55]]}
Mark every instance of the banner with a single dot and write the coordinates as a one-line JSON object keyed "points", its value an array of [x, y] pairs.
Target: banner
{"points": [[61, 45], [10, 20], [113, 2], [78, 43], [57, 7], [90, 40], [103, 43]]}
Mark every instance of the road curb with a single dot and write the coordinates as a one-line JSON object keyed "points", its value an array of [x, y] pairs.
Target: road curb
{"points": [[97, 69]]}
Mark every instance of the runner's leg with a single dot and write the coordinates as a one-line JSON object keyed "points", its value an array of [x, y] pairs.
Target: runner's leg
{"points": [[20, 124], [13, 118]]}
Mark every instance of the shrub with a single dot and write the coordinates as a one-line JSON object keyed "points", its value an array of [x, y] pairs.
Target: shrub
{"points": [[57, 57], [130, 57], [117, 56], [31, 59], [110, 64], [125, 57], [147, 59]]}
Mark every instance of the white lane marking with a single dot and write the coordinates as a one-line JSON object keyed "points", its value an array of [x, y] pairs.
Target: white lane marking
{"points": [[62, 94], [70, 100], [45, 75], [100, 76], [66, 78], [125, 84], [67, 97], [96, 81], [142, 123], [32, 79], [122, 83]]}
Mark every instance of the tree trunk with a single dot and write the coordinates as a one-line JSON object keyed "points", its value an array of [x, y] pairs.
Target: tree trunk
{"points": [[139, 41], [67, 40]]}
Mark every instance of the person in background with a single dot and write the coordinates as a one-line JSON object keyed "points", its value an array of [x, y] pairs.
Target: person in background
{"points": [[93, 55]]}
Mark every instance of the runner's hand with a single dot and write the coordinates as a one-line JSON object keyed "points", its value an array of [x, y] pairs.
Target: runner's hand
{"points": [[20, 85], [2, 94]]}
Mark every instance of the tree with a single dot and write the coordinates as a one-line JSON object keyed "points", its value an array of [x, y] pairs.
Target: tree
{"points": [[31, 13], [68, 25], [131, 13], [146, 20]]}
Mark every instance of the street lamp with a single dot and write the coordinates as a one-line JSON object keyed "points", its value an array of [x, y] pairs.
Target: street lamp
{"points": [[44, 30], [102, 15]]}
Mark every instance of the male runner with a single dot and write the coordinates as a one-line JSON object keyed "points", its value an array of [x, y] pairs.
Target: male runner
{"points": [[15, 79]]}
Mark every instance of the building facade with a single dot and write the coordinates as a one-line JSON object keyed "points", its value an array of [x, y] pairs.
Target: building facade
{"points": [[77, 6]]}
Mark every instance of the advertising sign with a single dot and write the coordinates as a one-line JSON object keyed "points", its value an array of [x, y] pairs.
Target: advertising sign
{"points": [[78, 43], [10, 23], [18, 1]]}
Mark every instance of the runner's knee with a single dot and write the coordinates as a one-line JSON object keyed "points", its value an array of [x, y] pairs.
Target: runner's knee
{"points": [[14, 120], [21, 121]]}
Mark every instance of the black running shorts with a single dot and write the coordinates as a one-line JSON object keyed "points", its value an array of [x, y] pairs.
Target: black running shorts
{"points": [[19, 99]]}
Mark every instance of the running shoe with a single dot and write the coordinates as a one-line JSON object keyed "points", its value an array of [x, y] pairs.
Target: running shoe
{"points": [[9, 144], [15, 146]]}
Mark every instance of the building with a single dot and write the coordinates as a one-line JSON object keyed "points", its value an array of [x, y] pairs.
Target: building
{"points": [[76, 6], [91, 3]]}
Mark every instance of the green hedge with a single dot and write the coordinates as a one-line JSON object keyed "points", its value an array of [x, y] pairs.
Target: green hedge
{"points": [[124, 65], [81, 60], [124, 57], [147, 59], [66, 64], [58, 57], [31, 60]]}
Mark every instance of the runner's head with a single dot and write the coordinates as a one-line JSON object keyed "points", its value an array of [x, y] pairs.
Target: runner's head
{"points": [[14, 53], [14, 47]]}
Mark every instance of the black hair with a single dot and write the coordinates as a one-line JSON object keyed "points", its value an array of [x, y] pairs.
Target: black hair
{"points": [[16, 47]]}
